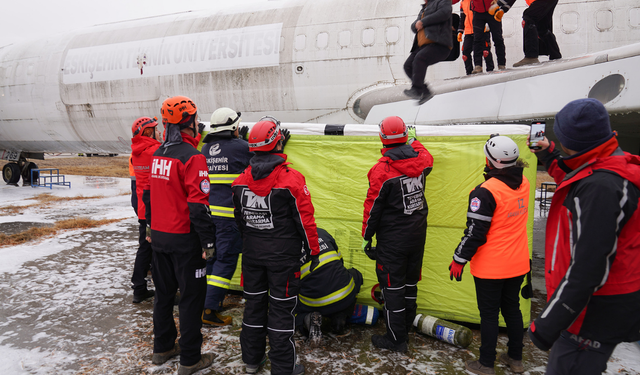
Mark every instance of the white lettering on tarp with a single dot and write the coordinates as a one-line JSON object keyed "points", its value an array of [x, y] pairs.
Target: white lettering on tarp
{"points": [[241, 48]]}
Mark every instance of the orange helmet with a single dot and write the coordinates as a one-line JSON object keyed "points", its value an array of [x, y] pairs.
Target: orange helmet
{"points": [[142, 123], [265, 134], [177, 110], [393, 130]]}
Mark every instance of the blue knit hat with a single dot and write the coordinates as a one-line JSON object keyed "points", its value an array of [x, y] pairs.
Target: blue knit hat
{"points": [[582, 124]]}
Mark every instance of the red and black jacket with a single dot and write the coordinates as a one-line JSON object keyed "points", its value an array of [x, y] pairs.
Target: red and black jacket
{"points": [[177, 199], [395, 206], [142, 149], [592, 247], [274, 212]]}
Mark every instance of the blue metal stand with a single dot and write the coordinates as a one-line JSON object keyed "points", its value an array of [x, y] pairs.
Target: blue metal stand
{"points": [[50, 179]]}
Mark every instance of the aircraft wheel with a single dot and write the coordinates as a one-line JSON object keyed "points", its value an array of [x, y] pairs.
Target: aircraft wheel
{"points": [[26, 176], [11, 173]]}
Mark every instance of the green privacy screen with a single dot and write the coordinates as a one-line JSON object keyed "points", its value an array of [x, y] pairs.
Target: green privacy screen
{"points": [[336, 167]]}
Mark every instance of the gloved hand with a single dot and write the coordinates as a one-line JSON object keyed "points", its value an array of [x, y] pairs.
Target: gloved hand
{"points": [[456, 270], [286, 135], [201, 127], [536, 338], [460, 36], [208, 253], [366, 244], [243, 131], [315, 261], [411, 134], [498, 15], [368, 250]]}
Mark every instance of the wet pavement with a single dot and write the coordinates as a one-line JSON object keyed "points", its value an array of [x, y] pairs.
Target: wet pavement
{"points": [[72, 311]]}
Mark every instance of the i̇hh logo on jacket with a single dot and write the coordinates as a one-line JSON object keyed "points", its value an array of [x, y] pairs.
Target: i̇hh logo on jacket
{"points": [[161, 168], [256, 210]]}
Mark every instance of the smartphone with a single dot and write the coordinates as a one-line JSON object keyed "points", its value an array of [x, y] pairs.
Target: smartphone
{"points": [[536, 134]]}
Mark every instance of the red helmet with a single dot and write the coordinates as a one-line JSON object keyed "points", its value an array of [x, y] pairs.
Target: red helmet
{"points": [[142, 123], [265, 134], [177, 109], [393, 130]]}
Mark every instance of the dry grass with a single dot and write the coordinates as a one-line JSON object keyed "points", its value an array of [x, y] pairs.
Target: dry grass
{"points": [[33, 233], [94, 166], [542, 177]]}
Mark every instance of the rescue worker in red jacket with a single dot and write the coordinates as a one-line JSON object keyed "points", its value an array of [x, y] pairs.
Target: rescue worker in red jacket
{"points": [[465, 28], [275, 215], [592, 244], [145, 141], [395, 211], [329, 290], [482, 15], [496, 244], [181, 235], [227, 156]]}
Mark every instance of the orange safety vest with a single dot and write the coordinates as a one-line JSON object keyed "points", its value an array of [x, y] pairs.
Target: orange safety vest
{"points": [[506, 252], [465, 5], [132, 174]]}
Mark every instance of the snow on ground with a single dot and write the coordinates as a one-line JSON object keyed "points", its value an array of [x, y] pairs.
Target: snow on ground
{"points": [[65, 305]]}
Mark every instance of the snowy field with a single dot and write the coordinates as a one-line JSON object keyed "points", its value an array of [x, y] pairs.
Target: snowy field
{"points": [[66, 304]]}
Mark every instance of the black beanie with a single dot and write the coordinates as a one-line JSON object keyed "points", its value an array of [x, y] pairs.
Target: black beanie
{"points": [[582, 124]]}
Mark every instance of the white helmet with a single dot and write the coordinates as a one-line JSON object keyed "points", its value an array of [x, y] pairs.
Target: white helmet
{"points": [[224, 119], [501, 151]]}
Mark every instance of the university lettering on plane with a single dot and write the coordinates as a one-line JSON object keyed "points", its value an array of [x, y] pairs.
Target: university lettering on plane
{"points": [[241, 48]]}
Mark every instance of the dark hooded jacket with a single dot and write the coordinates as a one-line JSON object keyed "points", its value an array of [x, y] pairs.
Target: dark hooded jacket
{"points": [[396, 193], [273, 209]]}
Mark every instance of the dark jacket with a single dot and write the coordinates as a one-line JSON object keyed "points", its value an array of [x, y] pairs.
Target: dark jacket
{"points": [[226, 159], [592, 247], [274, 212], [178, 199], [436, 23], [395, 209]]}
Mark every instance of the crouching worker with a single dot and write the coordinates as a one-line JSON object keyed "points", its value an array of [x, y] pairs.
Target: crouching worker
{"points": [[327, 289]]}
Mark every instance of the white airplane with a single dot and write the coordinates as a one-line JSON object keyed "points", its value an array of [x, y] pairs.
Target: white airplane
{"points": [[321, 61]]}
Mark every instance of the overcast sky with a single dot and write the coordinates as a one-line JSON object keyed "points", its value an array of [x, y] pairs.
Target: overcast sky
{"points": [[32, 19]]}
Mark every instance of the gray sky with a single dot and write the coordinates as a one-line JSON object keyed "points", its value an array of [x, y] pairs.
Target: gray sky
{"points": [[32, 19]]}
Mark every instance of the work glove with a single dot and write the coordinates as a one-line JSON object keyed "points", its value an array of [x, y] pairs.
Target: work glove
{"points": [[496, 11], [201, 127], [527, 289], [208, 253], [456, 270], [242, 132], [537, 339], [286, 134], [460, 33], [315, 261], [411, 134]]}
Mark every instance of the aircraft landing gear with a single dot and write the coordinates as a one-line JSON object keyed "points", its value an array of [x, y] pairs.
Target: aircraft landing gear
{"points": [[11, 173]]}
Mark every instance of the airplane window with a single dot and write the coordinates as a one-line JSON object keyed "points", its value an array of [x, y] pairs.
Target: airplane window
{"points": [[634, 17], [301, 41], [392, 34], [322, 41], [604, 20], [368, 37], [344, 38], [569, 22]]}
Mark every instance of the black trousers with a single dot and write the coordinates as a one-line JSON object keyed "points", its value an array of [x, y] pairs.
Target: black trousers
{"points": [[538, 27], [467, 48], [142, 264], [398, 272], [568, 356], [419, 60], [187, 271], [271, 295], [479, 21], [494, 296]]}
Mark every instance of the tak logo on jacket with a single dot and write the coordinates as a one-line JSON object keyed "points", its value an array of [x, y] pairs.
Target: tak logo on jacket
{"points": [[412, 193], [256, 210], [161, 168]]}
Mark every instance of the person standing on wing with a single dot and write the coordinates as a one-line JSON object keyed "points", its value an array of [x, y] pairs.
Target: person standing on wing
{"points": [[395, 211], [496, 244]]}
